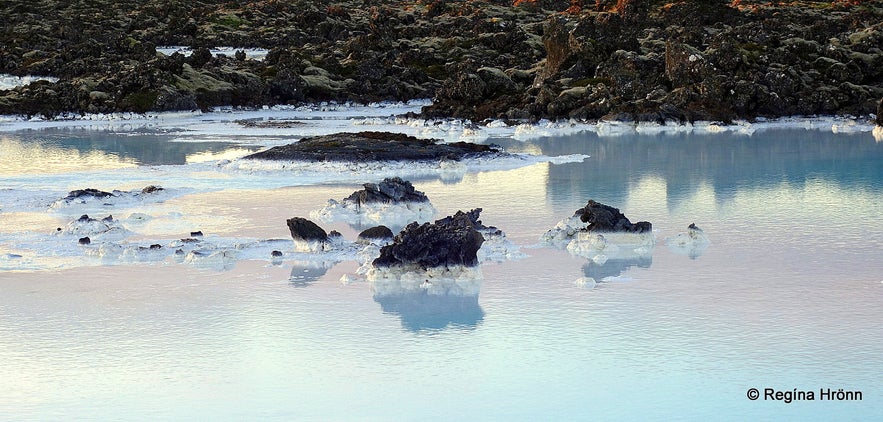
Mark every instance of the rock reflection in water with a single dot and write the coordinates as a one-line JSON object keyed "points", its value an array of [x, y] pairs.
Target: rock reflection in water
{"points": [[421, 311], [613, 268], [305, 273], [431, 300]]}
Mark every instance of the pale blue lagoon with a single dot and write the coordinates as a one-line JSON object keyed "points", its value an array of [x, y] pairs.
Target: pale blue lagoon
{"points": [[787, 296]]}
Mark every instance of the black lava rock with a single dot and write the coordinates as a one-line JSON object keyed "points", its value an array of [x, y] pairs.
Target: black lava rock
{"points": [[151, 189], [392, 190], [453, 240], [305, 230], [375, 233], [604, 218]]}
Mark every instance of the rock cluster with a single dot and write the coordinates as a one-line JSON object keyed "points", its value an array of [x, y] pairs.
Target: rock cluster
{"points": [[657, 60], [689, 60]]}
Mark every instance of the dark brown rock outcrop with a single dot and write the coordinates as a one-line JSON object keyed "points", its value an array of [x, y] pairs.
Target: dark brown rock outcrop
{"points": [[373, 146]]}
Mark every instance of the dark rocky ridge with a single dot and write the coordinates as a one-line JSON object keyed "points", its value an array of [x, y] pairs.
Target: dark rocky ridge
{"points": [[627, 59], [372, 146]]}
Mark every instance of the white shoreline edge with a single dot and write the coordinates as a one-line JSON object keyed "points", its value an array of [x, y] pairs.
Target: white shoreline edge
{"points": [[389, 114]]}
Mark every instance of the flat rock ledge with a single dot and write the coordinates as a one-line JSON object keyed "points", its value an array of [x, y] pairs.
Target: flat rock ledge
{"points": [[373, 146]]}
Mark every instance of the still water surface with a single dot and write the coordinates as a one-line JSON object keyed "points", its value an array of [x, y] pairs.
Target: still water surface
{"points": [[787, 296]]}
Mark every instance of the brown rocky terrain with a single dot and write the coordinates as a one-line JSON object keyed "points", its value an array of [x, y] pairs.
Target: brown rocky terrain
{"points": [[626, 59]]}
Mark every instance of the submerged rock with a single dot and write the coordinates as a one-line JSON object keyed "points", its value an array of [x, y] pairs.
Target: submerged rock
{"points": [[373, 146], [92, 228], [692, 243], [450, 241], [151, 189], [85, 194]]}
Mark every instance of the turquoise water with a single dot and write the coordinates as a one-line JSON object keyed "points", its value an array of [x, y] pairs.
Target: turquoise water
{"points": [[787, 295]]}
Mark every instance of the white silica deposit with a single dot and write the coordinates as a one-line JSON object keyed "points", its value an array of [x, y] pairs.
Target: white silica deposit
{"points": [[375, 213], [12, 81], [497, 247], [104, 229], [564, 231], [569, 234]]}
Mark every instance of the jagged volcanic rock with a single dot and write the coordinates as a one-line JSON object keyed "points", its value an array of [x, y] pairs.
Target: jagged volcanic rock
{"points": [[392, 190], [450, 241]]}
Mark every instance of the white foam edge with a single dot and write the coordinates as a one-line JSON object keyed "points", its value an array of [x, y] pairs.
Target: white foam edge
{"points": [[219, 120], [119, 201], [443, 169], [8, 82], [834, 124], [250, 52]]}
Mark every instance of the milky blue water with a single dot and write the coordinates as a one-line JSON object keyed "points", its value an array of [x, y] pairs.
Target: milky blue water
{"points": [[787, 295]]}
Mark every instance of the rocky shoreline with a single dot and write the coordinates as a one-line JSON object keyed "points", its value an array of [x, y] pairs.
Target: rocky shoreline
{"points": [[627, 60]]}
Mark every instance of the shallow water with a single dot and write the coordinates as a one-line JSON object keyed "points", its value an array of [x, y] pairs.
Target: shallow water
{"points": [[787, 295]]}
